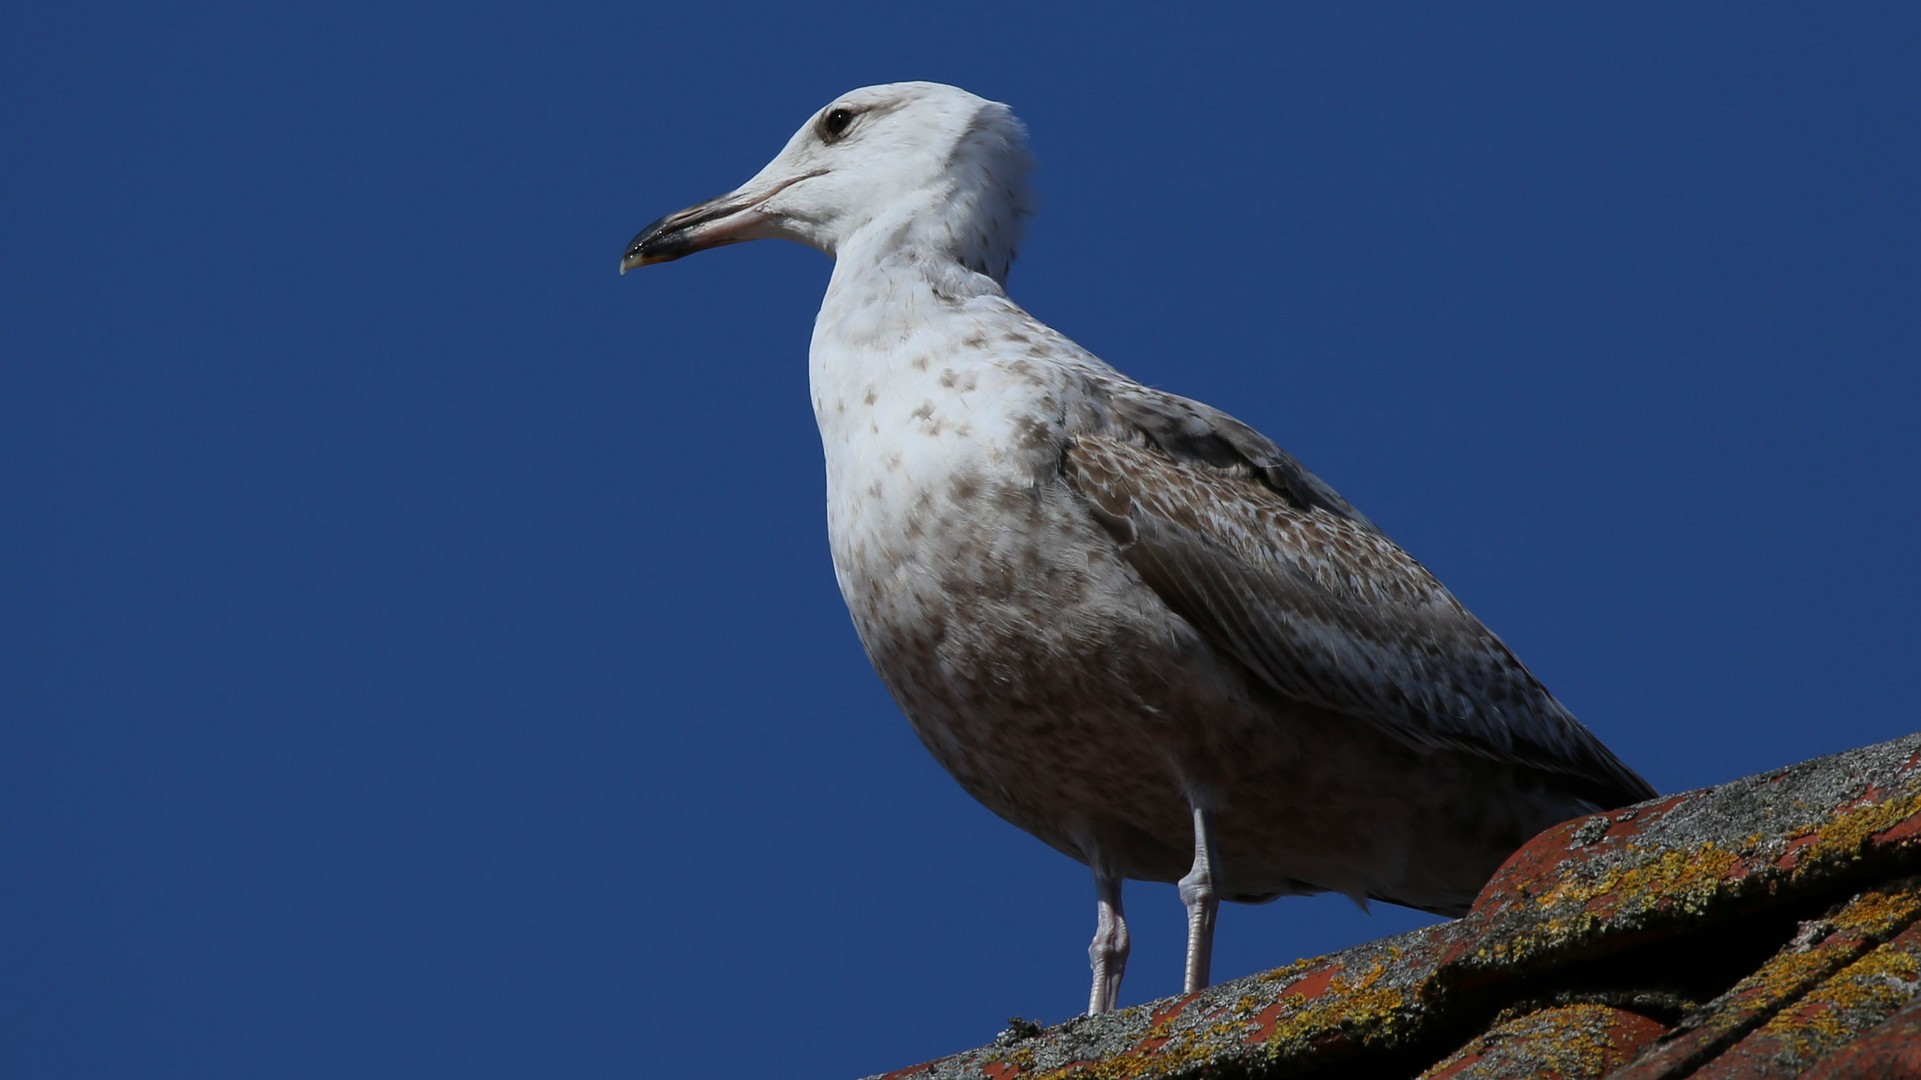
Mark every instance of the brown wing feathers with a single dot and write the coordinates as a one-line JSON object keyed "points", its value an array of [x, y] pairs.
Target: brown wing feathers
{"points": [[1280, 573]]}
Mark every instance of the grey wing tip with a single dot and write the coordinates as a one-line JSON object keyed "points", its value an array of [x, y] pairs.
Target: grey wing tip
{"points": [[1609, 784]]}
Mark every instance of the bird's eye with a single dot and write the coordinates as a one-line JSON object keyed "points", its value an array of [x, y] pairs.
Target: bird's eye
{"points": [[834, 124]]}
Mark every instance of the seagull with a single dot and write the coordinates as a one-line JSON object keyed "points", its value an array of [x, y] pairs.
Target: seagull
{"points": [[1121, 619]]}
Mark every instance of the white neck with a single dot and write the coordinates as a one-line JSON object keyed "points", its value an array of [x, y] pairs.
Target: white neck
{"points": [[966, 217]]}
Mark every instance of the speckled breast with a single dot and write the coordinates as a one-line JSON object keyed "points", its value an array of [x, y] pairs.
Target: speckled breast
{"points": [[1032, 662]]}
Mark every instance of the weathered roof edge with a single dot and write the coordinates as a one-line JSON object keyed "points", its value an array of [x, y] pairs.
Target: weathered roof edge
{"points": [[1779, 845]]}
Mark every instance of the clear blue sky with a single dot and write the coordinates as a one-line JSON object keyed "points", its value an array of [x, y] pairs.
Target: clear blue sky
{"points": [[421, 656]]}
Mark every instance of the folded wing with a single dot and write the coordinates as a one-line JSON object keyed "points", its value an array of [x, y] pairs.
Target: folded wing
{"points": [[1278, 571]]}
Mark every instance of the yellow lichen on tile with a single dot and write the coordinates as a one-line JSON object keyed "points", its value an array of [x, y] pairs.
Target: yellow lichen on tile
{"points": [[1689, 876], [1574, 1042], [1360, 1006], [1792, 971], [1856, 997], [1884, 910], [1849, 830], [1288, 972], [1176, 1049]]}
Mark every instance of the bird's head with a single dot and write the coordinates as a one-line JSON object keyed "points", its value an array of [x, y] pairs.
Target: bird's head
{"points": [[906, 164]]}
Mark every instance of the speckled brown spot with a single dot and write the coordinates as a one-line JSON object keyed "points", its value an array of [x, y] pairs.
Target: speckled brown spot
{"points": [[1034, 435]]}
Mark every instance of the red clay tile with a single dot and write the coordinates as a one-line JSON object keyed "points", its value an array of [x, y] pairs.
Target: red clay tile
{"points": [[1889, 1051], [1856, 998], [1570, 1042]]}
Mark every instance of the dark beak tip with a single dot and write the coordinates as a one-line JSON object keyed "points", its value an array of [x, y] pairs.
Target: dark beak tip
{"points": [[684, 232], [636, 253], [663, 249], [658, 225], [658, 243]]}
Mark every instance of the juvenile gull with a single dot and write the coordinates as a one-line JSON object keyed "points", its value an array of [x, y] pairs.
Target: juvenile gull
{"points": [[1123, 620]]}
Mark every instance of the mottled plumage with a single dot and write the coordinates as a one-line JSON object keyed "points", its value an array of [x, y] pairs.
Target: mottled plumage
{"points": [[1123, 620]]}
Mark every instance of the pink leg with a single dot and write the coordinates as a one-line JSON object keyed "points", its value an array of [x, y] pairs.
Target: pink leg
{"points": [[1108, 953], [1197, 892]]}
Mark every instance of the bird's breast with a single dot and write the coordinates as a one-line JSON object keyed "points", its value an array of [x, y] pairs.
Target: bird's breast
{"points": [[928, 442], [943, 491]]}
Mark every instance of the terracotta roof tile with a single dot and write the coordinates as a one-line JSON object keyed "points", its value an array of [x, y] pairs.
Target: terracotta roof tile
{"points": [[1890, 1051], [1556, 1043]]}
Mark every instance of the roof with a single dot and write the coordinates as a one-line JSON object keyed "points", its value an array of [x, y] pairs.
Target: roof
{"points": [[1766, 927]]}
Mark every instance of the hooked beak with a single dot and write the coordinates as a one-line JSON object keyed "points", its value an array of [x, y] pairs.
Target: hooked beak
{"points": [[730, 219], [697, 228]]}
